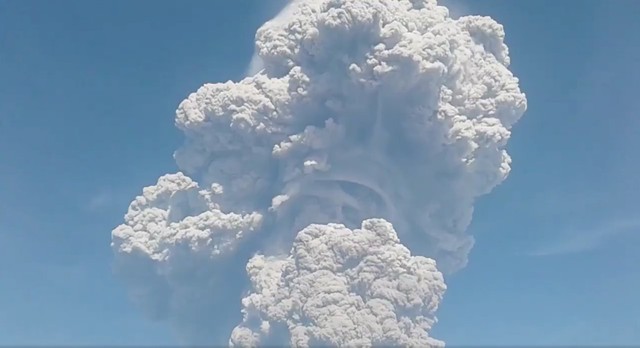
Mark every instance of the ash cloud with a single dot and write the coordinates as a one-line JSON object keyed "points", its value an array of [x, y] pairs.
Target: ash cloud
{"points": [[343, 288], [359, 109]]}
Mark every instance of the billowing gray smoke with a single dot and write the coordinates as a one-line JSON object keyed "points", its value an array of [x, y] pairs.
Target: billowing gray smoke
{"points": [[385, 109], [343, 288]]}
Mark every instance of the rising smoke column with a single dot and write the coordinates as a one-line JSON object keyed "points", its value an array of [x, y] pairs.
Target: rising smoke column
{"points": [[343, 288], [363, 109]]}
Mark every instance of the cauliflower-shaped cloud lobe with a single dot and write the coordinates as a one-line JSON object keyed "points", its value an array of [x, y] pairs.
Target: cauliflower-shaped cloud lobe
{"points": [[343, 288], [174, 243], [361, 109], [364, 109], [176, 212]]}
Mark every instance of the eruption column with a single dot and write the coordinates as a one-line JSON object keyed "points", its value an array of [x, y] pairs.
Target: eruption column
{"points": [[364, 113]]}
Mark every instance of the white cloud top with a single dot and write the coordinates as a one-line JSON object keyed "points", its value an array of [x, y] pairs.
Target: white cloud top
{"points": [[361, 109]]}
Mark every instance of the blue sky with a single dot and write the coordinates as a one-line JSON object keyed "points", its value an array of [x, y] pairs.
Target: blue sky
{"points": [[87, 96]]}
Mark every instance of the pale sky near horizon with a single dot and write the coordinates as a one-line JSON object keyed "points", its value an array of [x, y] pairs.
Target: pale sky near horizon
{"points": [[88, 92]]}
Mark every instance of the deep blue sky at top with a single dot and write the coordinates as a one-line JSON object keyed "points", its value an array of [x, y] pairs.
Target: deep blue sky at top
{"points": [[87, 95]]}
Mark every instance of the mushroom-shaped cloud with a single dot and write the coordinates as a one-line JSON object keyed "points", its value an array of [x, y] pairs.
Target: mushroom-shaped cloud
{"points": [[362, 109], [342, 288]]}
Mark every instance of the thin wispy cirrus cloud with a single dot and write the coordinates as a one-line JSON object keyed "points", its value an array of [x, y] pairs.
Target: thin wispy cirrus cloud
{"points": [[340, 175], [587, 238], [106, 200], [576, 222], [100, 200]]}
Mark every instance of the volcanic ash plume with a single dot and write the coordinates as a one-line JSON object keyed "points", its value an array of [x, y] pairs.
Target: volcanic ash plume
{"points": [[343, 288], [362, 109]]}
